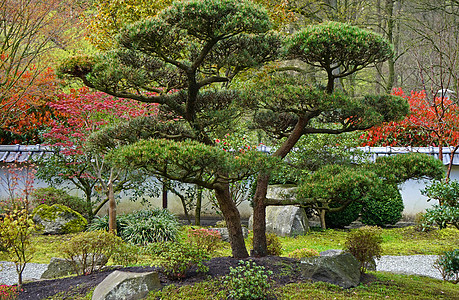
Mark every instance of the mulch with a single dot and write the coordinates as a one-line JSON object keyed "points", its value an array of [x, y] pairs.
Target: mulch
{"points": [[283, 269]]}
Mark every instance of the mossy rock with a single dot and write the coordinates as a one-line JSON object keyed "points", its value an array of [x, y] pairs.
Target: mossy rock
{"points": [[58, 219]]}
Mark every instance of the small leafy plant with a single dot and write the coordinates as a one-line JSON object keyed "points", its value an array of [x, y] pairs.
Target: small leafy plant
{"points": [[248, 281], [365, 244], [207, 239], [16, 231], [448, 265], [177, 258], [273, 244], [304, 252], [86, 249]]}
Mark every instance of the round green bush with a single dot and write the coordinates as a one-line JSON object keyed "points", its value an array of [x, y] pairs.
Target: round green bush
{"points": [[382, 207], [344, 217], [51, 195]]}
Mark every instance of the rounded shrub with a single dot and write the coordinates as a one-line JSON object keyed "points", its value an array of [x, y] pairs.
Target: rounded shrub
{"points": [[382, 207], [85, 250], [365, 245], [177, 258], [273, 244], [51, 196], [344, 217]]}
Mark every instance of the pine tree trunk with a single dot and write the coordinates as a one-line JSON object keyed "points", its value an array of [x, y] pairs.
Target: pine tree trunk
{"points": [[233, 220], [259, 207], [111, 209]]}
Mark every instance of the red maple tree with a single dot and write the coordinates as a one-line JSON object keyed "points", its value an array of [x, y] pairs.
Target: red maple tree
{"points": [[433, 121]]}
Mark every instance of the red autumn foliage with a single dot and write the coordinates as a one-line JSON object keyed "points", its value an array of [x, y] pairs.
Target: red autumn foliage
{"points": [[25, 109], [431, 123], [82, 112]]}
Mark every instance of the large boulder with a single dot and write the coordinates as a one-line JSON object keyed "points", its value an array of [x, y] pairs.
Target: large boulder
{"points": [[59, 267], [342, 269], [58, 219], [285, 220], [126, 286]]}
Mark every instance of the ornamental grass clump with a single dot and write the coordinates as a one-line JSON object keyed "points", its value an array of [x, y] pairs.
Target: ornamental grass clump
{"points": [[248, 281], [365, 245], [142, 227]]}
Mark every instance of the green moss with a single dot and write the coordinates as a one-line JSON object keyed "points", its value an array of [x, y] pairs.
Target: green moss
{"points": [[55, 211]]}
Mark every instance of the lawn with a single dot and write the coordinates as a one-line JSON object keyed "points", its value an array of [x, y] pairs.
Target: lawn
{"points": [[398, 241]]}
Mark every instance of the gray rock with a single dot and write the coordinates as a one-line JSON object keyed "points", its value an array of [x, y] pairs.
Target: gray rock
{"points": [[59, 267], [58, 219], [342, 269], [225, 235], [331, 252], [126, 286], [285, 220]]}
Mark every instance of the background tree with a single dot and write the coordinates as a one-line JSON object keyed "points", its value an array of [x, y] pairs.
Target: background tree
{"points": [[431, 123], [179, 54], [28, 29], [30, 114], [287, 108], [83, 113]]}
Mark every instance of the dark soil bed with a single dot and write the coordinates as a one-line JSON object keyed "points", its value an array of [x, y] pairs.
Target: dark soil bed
{"points": [[284, 270]]}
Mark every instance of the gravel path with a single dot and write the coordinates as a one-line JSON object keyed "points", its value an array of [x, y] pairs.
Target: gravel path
{"points": [[9, 276], [410, 265]]}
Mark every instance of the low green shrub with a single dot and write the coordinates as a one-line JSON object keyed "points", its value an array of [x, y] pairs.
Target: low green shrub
{"points": [[248, 281], [421, 223], [126, 254], [102, 223], [209, 240], [302, 253], [365, 245], [448, 265], [51, 196], [273, 244], [142, 227], [84, 250], [177, 258], [442, 216]]}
